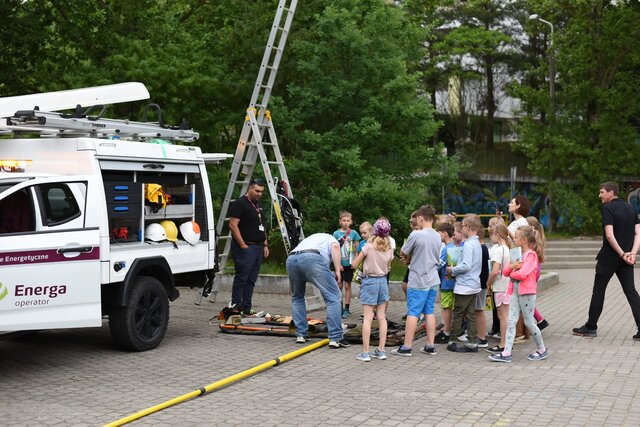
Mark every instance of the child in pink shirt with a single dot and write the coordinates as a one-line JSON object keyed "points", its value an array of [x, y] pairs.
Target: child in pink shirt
{"points": [[522, 288]]}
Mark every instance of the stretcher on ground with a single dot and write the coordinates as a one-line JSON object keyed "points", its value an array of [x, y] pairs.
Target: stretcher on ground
{"points": [[278, 325]]}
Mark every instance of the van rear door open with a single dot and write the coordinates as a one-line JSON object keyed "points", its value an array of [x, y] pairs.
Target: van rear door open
{"points": [[49, 257]]}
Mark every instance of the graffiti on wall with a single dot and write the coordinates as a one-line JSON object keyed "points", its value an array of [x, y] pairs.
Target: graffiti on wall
{"points": [[487, 196], [633, 195]]}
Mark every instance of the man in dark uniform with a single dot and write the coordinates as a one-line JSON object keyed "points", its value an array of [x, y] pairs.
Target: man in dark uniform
{"points": [[248, 246], [620, 243]]}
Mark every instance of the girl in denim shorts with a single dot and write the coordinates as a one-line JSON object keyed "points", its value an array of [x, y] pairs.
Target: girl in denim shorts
{"points": [[376, 257]]}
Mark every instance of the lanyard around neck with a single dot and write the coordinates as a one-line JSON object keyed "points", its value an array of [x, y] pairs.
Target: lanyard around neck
{"points": [[256, 207]]}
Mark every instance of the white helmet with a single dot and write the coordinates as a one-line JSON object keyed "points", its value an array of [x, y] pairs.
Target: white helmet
{"points": [[155, 232], [190, 231]]}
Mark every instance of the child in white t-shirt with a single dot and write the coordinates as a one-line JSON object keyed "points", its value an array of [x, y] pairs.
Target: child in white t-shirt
{"points": [[497, 283]]}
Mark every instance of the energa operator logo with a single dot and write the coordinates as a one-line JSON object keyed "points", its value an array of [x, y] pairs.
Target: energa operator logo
{"points": [[4, 291]]}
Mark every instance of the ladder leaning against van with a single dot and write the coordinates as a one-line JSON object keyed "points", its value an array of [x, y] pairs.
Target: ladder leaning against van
{"points": [[258, 141]]}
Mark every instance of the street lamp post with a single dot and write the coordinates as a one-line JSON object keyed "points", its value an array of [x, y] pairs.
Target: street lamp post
{"points": [[552, 65]]}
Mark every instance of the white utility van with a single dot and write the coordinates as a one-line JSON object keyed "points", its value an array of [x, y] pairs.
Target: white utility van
{"points": [[74, 207]]}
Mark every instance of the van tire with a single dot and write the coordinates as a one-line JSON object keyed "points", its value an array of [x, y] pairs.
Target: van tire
{"points": [[142, 323]]}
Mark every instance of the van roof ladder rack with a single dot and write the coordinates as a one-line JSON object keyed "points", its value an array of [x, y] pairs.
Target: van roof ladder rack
{"points": [[58, 124], [37, 113]]}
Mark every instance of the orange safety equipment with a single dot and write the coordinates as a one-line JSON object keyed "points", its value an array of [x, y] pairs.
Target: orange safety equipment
{"points": [[190, 231], [155, 194]]}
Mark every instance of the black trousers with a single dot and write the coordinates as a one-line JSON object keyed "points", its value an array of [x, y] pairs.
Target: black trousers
{"points": [[604, 272]]}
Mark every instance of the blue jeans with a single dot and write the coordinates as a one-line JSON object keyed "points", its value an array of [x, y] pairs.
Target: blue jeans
{"points": [[310, 267], [247, 262]]}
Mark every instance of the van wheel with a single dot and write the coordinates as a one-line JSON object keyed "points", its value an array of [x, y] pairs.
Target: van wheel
{"points": [[141, 325]]}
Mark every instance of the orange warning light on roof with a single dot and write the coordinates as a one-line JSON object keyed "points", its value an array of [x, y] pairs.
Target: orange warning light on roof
{"points": [[14, 165]]}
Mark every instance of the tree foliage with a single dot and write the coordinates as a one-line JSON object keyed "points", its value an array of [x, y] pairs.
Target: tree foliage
{"points": [[361, 129], [593, 136], [354, 130], [353, 101]]}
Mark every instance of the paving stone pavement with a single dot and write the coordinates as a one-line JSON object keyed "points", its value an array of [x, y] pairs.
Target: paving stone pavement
{"points": [[75, 377]]}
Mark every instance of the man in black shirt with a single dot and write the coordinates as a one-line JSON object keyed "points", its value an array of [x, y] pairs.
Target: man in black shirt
{"points": [[620, 243], [248, 246]]}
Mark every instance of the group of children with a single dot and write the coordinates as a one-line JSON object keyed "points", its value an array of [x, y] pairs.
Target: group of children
{"points": [[449, 257]]}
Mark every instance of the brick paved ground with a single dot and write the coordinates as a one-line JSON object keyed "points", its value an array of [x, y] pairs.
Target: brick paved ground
{"points": [[76, 378]]}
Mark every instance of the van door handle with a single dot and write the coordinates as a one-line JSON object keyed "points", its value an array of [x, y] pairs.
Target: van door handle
{"points": [[153, 166], [81, 249]]}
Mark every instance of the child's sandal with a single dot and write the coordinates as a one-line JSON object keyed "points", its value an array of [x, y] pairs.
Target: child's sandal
{"points": [[495, 349], [536, 355]]}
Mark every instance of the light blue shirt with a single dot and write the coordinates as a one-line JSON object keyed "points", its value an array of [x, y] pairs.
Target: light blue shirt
{"points": [[467, 272], [321, 242]]}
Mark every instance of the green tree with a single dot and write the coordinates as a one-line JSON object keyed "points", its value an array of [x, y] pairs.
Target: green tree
{"points": [[352, 123], [471, 46], [356, 130], [593, 136]]}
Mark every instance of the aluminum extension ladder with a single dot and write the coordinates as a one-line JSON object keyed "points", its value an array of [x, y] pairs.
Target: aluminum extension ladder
{"points": [[252, 145]]}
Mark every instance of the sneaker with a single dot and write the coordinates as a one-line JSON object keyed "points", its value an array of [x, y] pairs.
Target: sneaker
{"points": [[538, 356], [365, 357], [637, 336], [234, 309], [339, 344], [302, 340], [406, 352], [442, 338], [463, 338], [455, 347], [249, 312], [482, 343], [346, 314], [466, 349], [377, 354], [500, 358], [494, 334], [583, 331], [495, 349], [430, 351], [543, 324]]}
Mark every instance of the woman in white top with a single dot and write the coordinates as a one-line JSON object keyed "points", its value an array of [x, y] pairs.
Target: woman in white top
{"points": [[519, 207]]}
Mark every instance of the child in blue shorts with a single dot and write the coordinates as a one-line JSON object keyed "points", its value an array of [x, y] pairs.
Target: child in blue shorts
{"points": [[374, 292], [423, 245]]}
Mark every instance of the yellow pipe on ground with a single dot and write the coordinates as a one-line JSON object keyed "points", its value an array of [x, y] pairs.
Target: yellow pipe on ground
{"points": [[218, 384]]}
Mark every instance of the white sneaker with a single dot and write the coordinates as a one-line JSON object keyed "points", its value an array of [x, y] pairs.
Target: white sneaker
{"points": [[302, 340], [463, 338], [339, 344]]}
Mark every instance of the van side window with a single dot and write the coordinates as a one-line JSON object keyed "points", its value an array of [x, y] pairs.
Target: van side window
{"points": [[59, 204], [16, 213]]}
